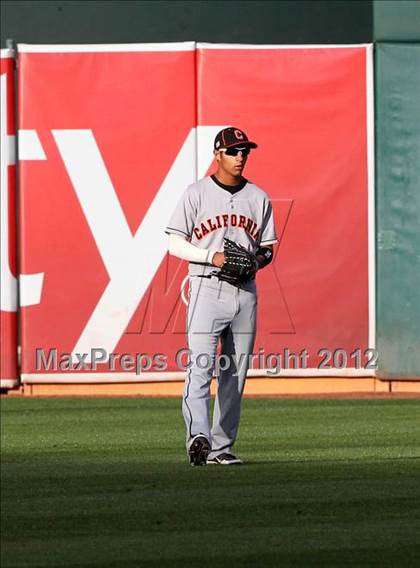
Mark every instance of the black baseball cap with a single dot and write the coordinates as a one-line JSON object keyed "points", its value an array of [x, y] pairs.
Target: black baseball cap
{"points": [[230, 137]]}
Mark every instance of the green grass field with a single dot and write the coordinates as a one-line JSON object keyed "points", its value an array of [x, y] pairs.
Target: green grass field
{"points": [[105, 483]]}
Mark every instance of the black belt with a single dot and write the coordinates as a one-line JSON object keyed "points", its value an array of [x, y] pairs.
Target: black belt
{"points": [[215, 276], [206, 275]]}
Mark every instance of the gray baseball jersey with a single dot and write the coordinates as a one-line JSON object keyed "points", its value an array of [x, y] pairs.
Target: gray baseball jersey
{"points": [[207, 213]]}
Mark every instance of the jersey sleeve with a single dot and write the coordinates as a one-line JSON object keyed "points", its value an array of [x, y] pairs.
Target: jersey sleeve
{"points": [[183, 218], [268, 230]]}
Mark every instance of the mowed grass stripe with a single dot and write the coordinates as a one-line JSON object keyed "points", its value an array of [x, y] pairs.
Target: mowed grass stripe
{"points": [[105, 482]]}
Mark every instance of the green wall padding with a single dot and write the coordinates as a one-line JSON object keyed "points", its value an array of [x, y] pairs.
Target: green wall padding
{"points": [[396, 20], [398, 208], [227, 21]]}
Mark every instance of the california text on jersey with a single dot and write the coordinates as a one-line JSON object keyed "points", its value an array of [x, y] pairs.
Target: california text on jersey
{"points": [[220, 221]]}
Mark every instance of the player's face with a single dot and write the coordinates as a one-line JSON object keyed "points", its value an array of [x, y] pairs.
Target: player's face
{"points": [[233, 161]]}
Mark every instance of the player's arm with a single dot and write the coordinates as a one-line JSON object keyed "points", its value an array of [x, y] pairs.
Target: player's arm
{"points": [[264, 256], [181, 248], [264, 253]]}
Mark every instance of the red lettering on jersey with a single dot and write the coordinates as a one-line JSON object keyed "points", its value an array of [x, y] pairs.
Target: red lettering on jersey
{"points": [[223, 220], [257, 235], [211, 225]]}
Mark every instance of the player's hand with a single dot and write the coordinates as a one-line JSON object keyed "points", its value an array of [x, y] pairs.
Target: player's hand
{"points": [[240, 264], [218, 259]]}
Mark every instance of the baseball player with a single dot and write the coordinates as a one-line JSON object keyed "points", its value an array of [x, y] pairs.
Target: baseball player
{"points": [[223, 225]]}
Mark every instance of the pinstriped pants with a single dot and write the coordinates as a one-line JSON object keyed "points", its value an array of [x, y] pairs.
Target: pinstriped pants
{"points": [[218, 311]]}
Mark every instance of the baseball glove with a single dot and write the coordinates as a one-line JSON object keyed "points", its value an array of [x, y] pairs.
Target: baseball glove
{"points": [[240, 264]]}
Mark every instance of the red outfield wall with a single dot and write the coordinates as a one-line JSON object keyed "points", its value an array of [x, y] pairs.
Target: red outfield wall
{"points": [[8, 314], [307, 108], [107, 145]]}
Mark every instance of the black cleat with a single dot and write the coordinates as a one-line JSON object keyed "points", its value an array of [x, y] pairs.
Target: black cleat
{"points": [[225, 459], [199, 450]]}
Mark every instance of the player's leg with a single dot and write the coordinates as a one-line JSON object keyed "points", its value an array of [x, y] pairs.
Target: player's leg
{"points": [[237, 344], [196, 398], [207, 316]]}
